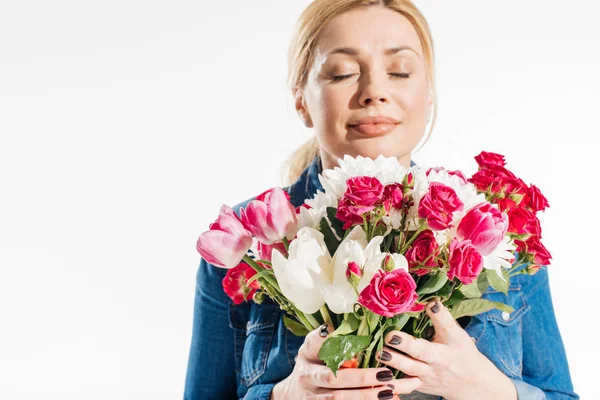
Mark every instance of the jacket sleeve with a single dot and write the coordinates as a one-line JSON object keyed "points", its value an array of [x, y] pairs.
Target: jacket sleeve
{"points": [[545, 366], [211, 368]]}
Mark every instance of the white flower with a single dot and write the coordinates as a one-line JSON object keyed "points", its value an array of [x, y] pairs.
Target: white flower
{"points": [[307, 268], [312, 216], [339, 294], [373, 264], [386, 169], [502, 257]]}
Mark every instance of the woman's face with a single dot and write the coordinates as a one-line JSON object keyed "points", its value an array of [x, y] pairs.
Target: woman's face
{"points": [[368, 63]]}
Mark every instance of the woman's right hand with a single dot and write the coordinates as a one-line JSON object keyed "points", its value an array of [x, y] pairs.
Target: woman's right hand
{"points": [[312, 379]]}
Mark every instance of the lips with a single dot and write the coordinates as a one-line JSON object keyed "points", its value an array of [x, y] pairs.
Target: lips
{"points": [[374, 126]]}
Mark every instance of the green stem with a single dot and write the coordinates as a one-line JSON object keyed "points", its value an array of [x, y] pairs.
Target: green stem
{"points": [[422, 227], [311, 320], [363, 328], [326, 316], [286, 244]]}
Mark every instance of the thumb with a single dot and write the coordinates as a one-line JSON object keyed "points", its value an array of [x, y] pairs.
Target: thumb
{"points": [[446, 327], [313, 342]]}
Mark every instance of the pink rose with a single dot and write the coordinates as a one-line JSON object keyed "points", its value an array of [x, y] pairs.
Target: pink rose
{"points": [[536, 200], [485, 226], [226, 242], [393, 197], [351, 214], [485, 159], [271, 218], [235, 283], [390, 293], [521, 221], [422, 253], [458, 173], [464, 260], [353, 269], [363, 190], [438, 204]]}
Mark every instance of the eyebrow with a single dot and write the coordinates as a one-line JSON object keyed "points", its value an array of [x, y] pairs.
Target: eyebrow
{"points": [[351, 51]]}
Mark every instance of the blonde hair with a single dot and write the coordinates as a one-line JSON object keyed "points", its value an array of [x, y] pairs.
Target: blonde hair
{"points": [[301, 58]]}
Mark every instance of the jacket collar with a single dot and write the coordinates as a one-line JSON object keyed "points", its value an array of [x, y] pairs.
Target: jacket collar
{"points": [[308, 183]]}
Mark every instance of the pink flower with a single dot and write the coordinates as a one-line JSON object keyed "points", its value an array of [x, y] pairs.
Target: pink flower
{"points": [[539, 252], [438, 204], [353, 269], [265, 250], [485, 159], [422, 253], [485, 226], [393, 197], [390, 293], [458, 173], [536, 200], [271, 217], [226, 242], [464, 260], [235, 283], [351, 214], [363, 190]]}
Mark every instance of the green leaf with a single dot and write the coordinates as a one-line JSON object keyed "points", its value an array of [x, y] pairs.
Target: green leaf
{"points": [[496, 282], [470, 291], [335, 350], [434, 283], [399, 321], [471, 307], [349, 325], [482, 282], [261, 274], [455, 298], [295, 327], [503, 307], [335, 223], [373, 321], [330, 240]]}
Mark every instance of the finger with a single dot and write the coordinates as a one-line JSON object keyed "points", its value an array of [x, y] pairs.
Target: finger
{"points": [[383, 393], [322, 376], [402, 362], [405, 385], [416, 348], [313, 342], [446, 327]]}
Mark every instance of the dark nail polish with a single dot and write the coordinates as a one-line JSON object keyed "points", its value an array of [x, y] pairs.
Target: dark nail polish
{"points": [[383, 376], [323, 332], [435, 308], [391, 386], [385, 356], [385, 394], [395, 340]]}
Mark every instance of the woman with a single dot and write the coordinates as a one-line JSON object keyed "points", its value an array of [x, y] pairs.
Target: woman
{"points": [[362, 75]]}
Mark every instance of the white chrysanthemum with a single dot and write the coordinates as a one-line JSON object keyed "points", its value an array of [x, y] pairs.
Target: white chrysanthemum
{"points": [[312, 216], [502, 257], [386, 169]]}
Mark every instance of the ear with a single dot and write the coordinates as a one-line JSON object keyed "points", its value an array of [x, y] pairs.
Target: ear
{"points": [[301, 106]]}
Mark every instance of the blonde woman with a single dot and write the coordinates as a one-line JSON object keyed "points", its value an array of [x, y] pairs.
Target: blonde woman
{"points": [[362, 76]]}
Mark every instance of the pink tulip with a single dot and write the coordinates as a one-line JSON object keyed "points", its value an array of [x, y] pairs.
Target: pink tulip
{"points": [[271, 218], [226, 242], [485, 226]]}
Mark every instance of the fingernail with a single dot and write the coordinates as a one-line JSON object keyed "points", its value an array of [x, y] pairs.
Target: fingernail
{"points": [[436, 307], [385, 356], [383, 376], [395, 340], [391, 386], [385, 394], [323, 332]]}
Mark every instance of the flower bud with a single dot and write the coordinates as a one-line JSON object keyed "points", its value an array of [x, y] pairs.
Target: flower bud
{"points": [[388, 263], [532, 269], [353, 273]]}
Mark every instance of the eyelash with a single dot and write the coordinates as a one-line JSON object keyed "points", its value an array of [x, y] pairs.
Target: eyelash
{"points": [[338, 78]]}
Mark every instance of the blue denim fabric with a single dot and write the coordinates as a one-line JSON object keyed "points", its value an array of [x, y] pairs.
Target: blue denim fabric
{"points": [[242, 351]]}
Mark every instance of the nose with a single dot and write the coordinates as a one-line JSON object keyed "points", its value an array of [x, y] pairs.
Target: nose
{"points": [[373, 94]]}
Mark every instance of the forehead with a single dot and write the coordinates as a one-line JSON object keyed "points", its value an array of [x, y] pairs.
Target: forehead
{"points": [[369, 30]]}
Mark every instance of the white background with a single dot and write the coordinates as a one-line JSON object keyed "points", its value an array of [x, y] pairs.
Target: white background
{"points": [[126, 124]]}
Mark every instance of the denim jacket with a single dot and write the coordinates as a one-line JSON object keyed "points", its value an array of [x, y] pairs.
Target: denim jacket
{"points": [[242, 351]]}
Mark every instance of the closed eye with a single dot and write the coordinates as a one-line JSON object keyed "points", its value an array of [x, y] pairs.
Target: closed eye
{"points": [[337, 78]]}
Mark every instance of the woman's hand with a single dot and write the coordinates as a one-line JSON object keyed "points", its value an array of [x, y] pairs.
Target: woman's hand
{"points": [[312, 379], [450, 365]]}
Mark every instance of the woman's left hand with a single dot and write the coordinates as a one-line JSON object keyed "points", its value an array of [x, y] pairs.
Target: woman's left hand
{"points": [[450, 365]]}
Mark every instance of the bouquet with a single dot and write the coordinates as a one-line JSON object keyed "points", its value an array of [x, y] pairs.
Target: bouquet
{"points": [[366, 254]]}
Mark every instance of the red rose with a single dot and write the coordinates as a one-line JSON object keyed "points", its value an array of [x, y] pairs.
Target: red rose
{"points": [[351, 214], [536, 200], [523, 222], [438, 204], [393, 197], [541, 255], [235, 283], [465, 261], [390, 293], [363, 190], [493, 178], [422, 253], [485, 226], [485, 159]]}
